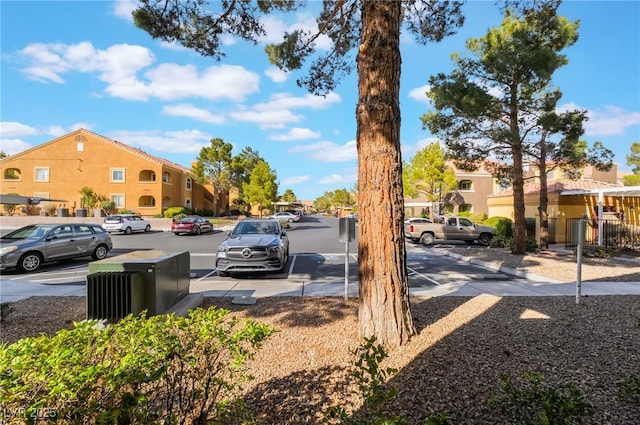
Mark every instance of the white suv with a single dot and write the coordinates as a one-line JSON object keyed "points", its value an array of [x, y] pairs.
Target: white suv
{"points": [[126, 223]]}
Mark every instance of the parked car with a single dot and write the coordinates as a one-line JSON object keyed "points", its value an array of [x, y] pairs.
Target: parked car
{"points": [[191, 225], [254, 245], [449, 228], [28, 247], [285, 215], [126, 223]]}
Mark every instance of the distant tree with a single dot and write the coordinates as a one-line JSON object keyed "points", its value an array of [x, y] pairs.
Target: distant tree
{"points": [[262, 188], [324, 202], [633, 159], [370, 30], [342, 198], [489, 106], [426, 173], [213, 166], [289, 196], [241, 167], [3, 154]]}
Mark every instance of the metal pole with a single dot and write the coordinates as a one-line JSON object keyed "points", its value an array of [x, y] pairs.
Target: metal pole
{"points": [[581, 230], [346, 270]]}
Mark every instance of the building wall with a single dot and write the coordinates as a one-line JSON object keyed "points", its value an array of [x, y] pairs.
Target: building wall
{"points": [[82, 158]]}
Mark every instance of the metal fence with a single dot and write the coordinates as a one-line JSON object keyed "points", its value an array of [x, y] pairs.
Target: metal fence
{"points": [[615, 234]]}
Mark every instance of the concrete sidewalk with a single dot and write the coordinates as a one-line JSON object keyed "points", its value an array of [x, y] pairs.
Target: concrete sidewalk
{"points": [[298, 286]]}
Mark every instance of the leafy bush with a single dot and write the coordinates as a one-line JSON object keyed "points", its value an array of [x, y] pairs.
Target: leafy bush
{"points": [[535, 403], [172, 212], [161, 369], [503, 226], [371, 380]]}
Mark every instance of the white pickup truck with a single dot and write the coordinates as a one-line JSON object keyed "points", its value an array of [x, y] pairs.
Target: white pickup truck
{"points": [[448, 228]]}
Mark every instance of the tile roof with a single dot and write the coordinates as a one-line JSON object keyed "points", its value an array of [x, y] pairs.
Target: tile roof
{"points": [[561, 185]]}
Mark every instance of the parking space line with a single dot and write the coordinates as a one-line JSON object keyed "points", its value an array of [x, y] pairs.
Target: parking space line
{"points": [[207, 275], [293, 262], [423, 276]]}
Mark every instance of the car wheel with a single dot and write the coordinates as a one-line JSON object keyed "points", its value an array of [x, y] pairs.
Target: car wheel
{"points": [[148, 228], [290, 220], [100, 252], [426, 239], [30, 262], [127, 231], [223, 274], [484, 239], [198, 231]]}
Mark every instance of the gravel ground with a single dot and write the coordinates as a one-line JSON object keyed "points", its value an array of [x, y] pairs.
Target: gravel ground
{"points": [[452, 365]]}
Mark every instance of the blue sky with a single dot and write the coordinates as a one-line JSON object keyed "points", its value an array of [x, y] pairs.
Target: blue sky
{"points": [[71, 64]]}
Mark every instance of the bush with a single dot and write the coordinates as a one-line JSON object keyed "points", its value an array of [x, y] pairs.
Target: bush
{"points": [[503, 226], [172, 212], [371, 378], [162, 369], [537, 404]]}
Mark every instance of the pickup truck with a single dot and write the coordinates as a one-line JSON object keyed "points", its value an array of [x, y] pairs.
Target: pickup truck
{"points": [[448, 228]]}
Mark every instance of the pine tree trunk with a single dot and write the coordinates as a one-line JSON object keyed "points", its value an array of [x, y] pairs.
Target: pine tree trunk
{"points": [[544, 196], [384, 310]]}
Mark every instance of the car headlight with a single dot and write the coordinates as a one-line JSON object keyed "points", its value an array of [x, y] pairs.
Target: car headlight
{"points": [[223, 248], [274, 249], [7, 249]]}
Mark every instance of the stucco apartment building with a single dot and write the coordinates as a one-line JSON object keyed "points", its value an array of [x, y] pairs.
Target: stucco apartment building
{"points": [[132, 178], [471, 193]]}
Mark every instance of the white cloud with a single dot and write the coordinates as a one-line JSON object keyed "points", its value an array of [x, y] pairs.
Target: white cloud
{"points": [[124, 8], [190, 111], [172, 81], [346, 178], [119, 67], [267, 119], [328, 151], [286, 100], [13, 146], [294, 180], [177, 142], [276, 75], [608, 121], [297, 133], [15, 129], [419, 94]]}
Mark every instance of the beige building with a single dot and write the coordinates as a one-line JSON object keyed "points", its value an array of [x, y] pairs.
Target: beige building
{"points": [[132, 178]]}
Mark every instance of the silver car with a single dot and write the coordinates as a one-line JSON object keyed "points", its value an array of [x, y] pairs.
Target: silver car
{"points": [[29, 247], [126, 223], [254, 245]]}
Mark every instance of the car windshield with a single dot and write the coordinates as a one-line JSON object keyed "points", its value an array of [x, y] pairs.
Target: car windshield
{"points": [[187, 219], [28, 232], [256, 228]]}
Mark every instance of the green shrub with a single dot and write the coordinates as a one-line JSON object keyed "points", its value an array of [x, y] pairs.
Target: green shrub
{"points": [[172, 212], [533, 403], [371, 380], [503, 226], [161, 369]]}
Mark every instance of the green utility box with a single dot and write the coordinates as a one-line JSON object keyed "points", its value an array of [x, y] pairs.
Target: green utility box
{"points": [[165, 278]]}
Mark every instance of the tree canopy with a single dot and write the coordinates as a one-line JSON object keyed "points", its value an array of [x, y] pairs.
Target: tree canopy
{"points": [[262, 188], [491, 105], [426, 173]]}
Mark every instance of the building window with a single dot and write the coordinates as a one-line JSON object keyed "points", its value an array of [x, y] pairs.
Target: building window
{"points": [[166, 177], [147, 202], [80, 146], [188, 183], [465, 185], [464, 208], [118, 198], [12, 174], [117, 175], [187, 204], [42, 174]]}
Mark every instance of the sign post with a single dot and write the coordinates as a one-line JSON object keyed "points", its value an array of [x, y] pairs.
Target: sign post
{"points": [[346, 233], [581, 236]]}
